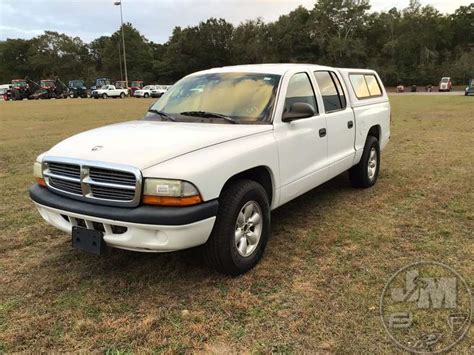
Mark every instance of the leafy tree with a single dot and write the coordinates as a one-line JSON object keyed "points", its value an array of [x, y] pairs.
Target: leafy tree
{"points": [[417, 44]]}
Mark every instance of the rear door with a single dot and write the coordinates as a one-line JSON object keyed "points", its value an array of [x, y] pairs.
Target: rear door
{"points": [[339, 120]]}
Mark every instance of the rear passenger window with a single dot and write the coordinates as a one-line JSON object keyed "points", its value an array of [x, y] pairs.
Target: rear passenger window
{"points": [[331, 91], [300, 90], [373, 85], [365, 85], [360, 86]]}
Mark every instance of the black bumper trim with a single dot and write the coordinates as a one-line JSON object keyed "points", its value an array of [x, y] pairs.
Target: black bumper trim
{"points": [[156, 215]]}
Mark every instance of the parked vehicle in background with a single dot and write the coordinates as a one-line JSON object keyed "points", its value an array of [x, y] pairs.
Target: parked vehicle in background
{"points": [[5, 91], [109, 91], [77, 88], [206, 166], [99, 82], [159, 90], [121, 84], [136, 85], [145, 92], [400, 88], [51, 89], [445, 84], [470, 88], [23, 89]]}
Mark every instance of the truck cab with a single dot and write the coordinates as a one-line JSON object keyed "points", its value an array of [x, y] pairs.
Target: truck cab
{"points": [[445, 84], [212, 158]]}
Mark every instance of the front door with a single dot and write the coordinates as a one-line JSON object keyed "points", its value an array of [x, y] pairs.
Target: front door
{"points": [[302, 144]]}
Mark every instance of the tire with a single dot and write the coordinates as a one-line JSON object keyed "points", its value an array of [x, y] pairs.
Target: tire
{"points": [[221, 250], [122, 95], [362, 175], [146, 95], [104, 96]]}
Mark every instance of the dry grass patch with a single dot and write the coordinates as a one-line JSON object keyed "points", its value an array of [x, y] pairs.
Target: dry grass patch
{"points": [[317, 288]]}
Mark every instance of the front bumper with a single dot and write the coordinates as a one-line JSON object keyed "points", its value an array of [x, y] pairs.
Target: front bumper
{"points": [[144, 228]]}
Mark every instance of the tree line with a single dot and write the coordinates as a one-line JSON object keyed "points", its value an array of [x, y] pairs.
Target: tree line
{"points": [[415, 45]]}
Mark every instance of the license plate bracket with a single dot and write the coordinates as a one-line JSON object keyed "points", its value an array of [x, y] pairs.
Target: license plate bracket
{"points": [[88, 240]]}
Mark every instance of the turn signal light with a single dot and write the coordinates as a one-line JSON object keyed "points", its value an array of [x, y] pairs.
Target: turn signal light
{"points": [[171, 201], [40, 181]]}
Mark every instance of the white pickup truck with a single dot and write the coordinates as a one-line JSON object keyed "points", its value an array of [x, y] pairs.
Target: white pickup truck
{"points": [[212, 158], [109, 91]]}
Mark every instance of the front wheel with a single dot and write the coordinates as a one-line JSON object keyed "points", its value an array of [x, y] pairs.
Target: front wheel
{"points": [[365, 173], [242, 228], [104, 96]]}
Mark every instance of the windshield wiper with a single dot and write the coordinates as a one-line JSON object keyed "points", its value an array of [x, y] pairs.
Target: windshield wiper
{"points": [[162, 114], [205, 114]]}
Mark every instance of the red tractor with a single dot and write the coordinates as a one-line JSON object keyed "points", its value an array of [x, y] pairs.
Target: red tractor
{"points": [[51, 89], [23, 89], [136, 85]]}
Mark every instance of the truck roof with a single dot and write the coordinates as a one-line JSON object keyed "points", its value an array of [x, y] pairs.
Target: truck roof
{"points": [[276, 68]]}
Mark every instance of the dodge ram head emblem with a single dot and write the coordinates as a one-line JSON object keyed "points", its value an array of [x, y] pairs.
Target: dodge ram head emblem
{"points": [[96, 148]]}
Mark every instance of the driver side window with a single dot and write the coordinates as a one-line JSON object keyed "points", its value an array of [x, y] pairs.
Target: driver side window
{"points": [[300, 90]]}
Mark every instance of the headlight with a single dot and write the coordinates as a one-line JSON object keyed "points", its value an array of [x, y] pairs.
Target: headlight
{"points": [[38, 173], [170, 193]]}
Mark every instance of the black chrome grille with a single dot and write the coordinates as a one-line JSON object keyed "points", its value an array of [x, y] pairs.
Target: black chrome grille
{"points": [[110, 193], [68, 170], [64, 185], [117, 185], [112, 176]]}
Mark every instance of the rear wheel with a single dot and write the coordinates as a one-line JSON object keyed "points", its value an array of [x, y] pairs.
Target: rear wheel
{"points": [[122, 95], [242, 228], [365, 173], [146, 95]]}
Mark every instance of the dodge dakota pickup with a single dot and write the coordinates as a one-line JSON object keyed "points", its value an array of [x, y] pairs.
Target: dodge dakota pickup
{"points": [[212, 158], [109, 91]]}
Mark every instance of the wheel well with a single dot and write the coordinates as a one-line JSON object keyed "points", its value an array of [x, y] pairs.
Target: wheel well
{"points": [[259, 174], [375, 132]]}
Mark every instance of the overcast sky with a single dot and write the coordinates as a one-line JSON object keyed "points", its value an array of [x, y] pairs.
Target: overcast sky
{"points": [[155, 19]]}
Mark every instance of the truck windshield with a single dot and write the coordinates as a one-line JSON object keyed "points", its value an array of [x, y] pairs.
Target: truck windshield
{"points": [[444, 80], [244, 97]]}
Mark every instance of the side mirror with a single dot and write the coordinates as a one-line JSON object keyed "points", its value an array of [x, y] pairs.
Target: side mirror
{"points": [[298, 111]]}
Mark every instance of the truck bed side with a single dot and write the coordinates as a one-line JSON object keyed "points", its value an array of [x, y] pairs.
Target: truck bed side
{"points": [[371, 114]]}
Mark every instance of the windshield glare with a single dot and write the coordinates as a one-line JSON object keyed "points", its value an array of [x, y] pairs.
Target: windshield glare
{"points": [[246, 97]]}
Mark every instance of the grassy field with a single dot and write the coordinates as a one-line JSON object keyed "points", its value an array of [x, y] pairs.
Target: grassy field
{"points": [[317, 288]]}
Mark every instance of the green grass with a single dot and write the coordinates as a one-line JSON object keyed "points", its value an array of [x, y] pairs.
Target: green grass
{"points": [[317, 288]]}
